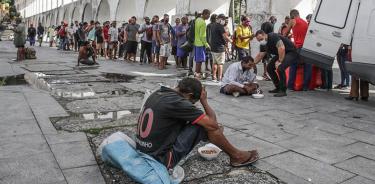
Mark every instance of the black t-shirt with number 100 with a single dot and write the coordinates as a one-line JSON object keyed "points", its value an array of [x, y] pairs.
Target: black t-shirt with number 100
{"points": [[164, 115]]}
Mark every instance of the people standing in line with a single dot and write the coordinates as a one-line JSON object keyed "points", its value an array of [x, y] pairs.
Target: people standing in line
{"points": [[164, 38], [308, 18], [31, 33], [121, 37], [99, 38], [51, 35], [20, 39], [130, 38], [200, 42], [181, 39], [284, 28], [62, 36], [359, 88], [106, 28], [243, 37], [40, 33], [285, 54], [174, 41], [70, 37], [146, 41], [209, 58], [219, 38], [113, 41], [75, 36], [299, 27], [82, 33], [155, 45], [227, 31], [342, 58], [90, 30]]}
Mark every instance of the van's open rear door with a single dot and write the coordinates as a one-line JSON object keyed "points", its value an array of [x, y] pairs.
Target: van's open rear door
{"points": [[363, 65], [331, 25]]}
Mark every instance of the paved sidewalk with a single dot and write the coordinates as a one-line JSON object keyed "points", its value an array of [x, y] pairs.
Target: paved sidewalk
{"points": [[307, 137], [32, 151]]}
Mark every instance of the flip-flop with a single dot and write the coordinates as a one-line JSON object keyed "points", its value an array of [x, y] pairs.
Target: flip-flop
{"points": [[250, 161]]}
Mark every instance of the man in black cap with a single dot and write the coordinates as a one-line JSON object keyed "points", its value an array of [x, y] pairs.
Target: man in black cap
{"points": [[217, 42]]}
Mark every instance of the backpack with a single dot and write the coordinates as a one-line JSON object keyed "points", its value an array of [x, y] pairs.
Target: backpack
{"points": [[149, 33], [190, 37], [30, 53], [62, 32], [190, 32]]}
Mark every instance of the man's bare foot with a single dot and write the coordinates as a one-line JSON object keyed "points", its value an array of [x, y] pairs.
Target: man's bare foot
{"points": [[245, 158]]}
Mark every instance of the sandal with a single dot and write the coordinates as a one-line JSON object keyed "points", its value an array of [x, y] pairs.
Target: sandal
{"points": [[250, 161], [266, 78]]}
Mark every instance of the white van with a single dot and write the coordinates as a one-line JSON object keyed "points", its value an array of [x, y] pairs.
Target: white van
{"points": [[336, 22]]}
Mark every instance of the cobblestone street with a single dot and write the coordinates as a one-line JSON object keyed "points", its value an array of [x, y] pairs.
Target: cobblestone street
{"points": [[55, 115]]}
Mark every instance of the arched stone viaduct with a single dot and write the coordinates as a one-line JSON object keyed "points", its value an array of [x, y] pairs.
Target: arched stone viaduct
{"points": [[52, 12]]}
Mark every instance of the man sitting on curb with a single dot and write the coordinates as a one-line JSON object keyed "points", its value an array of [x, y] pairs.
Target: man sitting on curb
{"points": [[239, 79], [85, 52], [170, 125]]}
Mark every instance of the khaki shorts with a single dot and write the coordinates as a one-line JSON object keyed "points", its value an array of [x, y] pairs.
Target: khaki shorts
{"points": [[164, 50], [218, 58], [99, 46]]}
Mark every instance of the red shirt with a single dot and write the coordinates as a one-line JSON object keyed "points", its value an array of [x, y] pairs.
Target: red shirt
{"points": [[299, 32], [105, 33]]}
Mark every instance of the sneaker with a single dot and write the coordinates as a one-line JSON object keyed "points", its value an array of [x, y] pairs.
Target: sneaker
{"points": [[274, 91], [280, 94], [236, 94]]}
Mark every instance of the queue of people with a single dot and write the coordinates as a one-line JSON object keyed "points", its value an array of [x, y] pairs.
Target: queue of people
{"points": [[193, 44]]}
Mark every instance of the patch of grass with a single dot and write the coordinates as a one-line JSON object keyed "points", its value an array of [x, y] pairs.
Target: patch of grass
{"points": [[95, 131]]}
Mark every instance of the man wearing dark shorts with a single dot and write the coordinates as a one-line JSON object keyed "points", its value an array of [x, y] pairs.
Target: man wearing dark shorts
{"points": [[146, 43], [181, 39], [131, 32], [174, 41], [170, 126], [285, 54]]}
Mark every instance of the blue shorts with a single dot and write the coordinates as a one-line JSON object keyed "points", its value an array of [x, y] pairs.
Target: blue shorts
{"points": [[155, 48], [181, 53], [200, 54]]}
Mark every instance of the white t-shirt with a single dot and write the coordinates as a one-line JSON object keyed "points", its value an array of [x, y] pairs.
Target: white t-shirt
{"points": [[113, 34]]}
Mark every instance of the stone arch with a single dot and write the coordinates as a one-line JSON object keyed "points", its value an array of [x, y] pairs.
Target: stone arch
{"points": [[44, 21], [220, 6], [87, 12], [160, 8], [103, 13], [76, 15], [60, 14], [66, 16], [131, 10], [53, 19]]}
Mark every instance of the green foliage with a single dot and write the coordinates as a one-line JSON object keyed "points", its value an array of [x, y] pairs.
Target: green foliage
{"points": [[10, 2]]}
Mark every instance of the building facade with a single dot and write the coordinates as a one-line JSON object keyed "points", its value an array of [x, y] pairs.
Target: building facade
{"points": [[52, 12]]}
